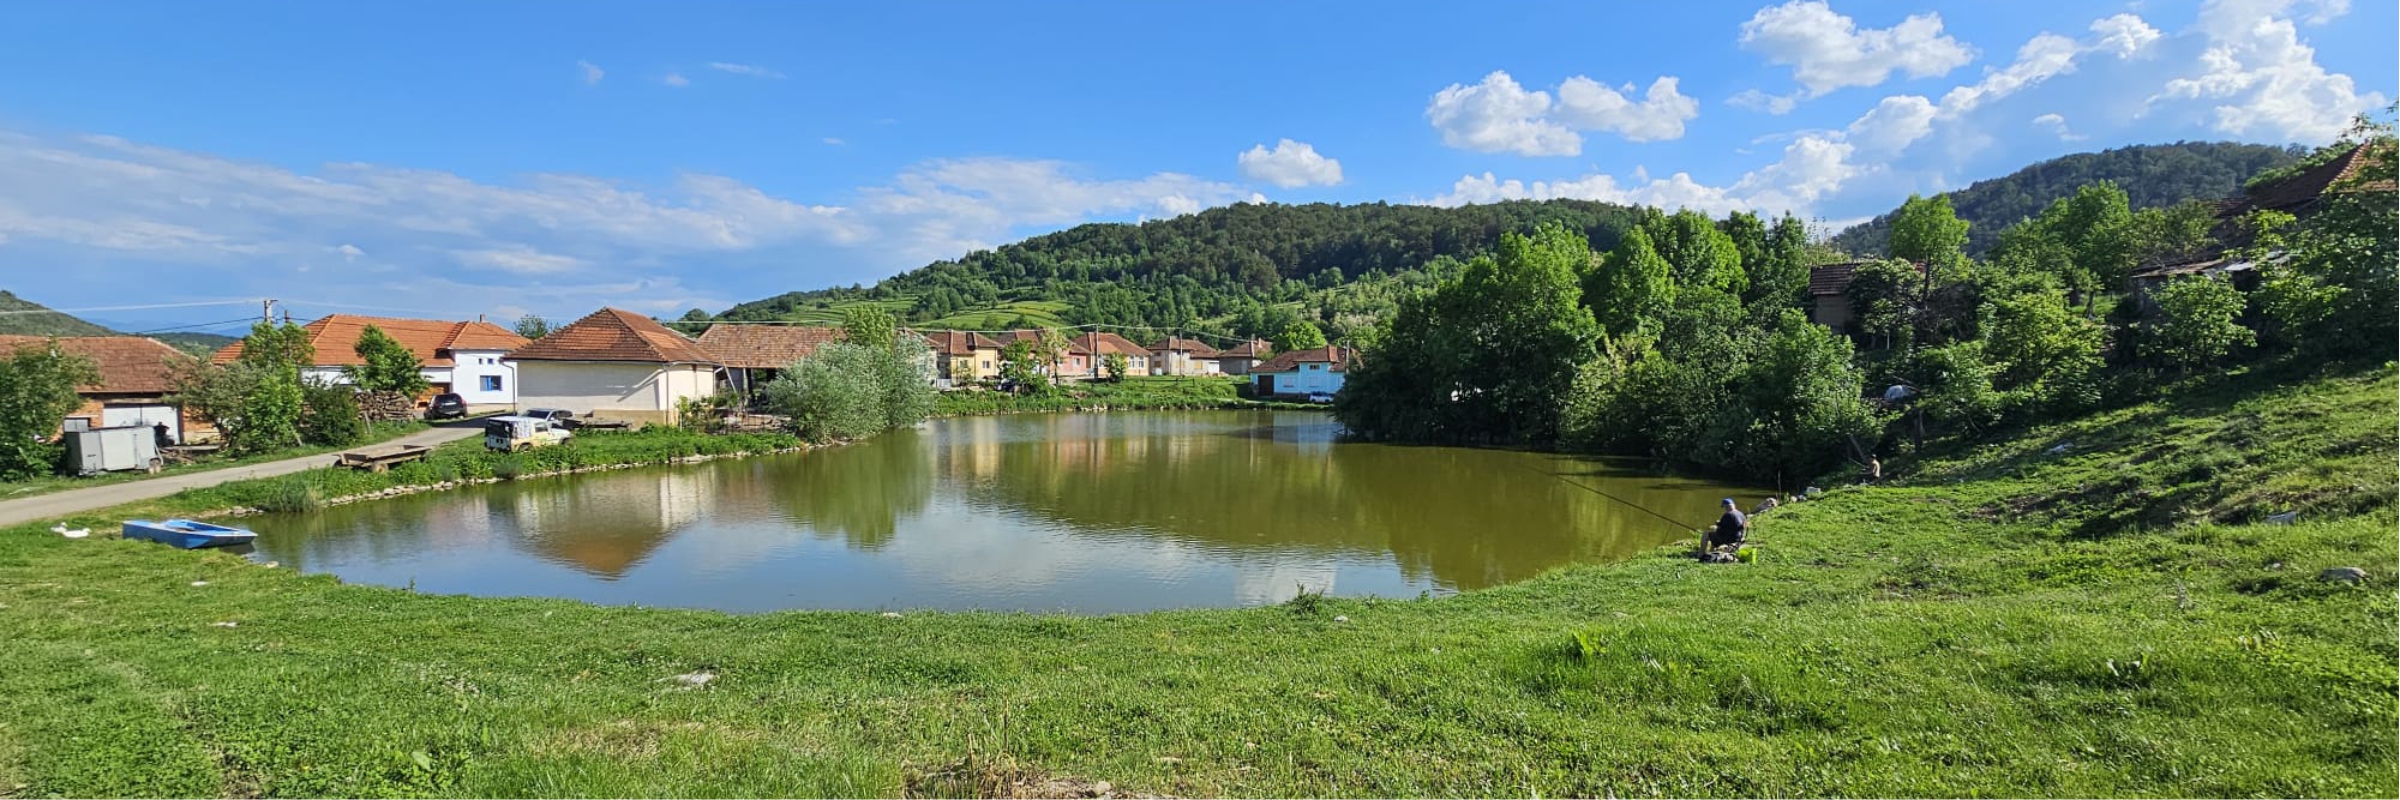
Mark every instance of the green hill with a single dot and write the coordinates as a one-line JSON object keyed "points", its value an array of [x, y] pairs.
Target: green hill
{"points": [[2152, 175], [27, 318]]}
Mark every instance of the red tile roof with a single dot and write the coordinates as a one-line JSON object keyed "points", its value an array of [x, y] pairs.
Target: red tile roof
{"points": [[1255, 348], [127, 364], [1341, 358], [1195, 347], [765, 346], [335, 337], [2309, 184], [612, 334], [1832, 279], [1006, 338], [1104, 343], [958, 343]]}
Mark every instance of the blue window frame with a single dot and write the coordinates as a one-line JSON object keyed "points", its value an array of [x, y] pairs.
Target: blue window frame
{"points": [[491, 383]]}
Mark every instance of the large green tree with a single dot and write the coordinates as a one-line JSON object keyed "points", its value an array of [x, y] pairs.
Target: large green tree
{"points": [[1929, 232], [1633, 286], [386, 365], [37, 391], [2198, 322], [1300, 335]]}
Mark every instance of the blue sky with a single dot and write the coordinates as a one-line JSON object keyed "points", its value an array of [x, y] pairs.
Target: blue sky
{"points": [[470, 158]]}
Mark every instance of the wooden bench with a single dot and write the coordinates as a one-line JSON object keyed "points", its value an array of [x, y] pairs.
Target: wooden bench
{"points": [[378, 459]]}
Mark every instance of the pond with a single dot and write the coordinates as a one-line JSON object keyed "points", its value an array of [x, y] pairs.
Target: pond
{"points": [[1083, 513]]}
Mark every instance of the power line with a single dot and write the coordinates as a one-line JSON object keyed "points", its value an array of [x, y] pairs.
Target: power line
{"points": [[145, 307], [243, 320]]}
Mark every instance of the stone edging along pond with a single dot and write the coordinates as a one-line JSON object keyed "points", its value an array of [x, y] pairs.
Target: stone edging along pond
{"points": [[440, 486]]}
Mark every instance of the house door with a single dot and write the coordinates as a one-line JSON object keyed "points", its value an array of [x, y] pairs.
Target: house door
{"points": [[1266, 385]]}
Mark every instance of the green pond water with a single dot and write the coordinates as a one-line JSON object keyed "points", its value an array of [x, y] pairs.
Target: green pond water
{"points": [[1084, 513]]}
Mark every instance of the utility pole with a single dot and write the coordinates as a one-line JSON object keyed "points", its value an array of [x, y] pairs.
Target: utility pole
{"points": [[266, 310]]}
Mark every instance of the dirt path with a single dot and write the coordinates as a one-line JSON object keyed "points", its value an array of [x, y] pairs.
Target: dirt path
{"points": [[59, 504]]}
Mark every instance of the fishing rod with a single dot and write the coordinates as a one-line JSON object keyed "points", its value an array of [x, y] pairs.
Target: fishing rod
{"points": [[1680, 526]]}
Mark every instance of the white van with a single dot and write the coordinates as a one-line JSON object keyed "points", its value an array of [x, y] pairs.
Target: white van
{"points": [[518, 433]]}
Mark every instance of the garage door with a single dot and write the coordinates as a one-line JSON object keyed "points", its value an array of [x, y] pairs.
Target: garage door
{"points": [[145, 415]]}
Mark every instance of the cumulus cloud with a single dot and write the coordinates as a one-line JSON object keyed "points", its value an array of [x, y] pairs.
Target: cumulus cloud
{"points": [[592, 73], [161, 214], [1290, 165], [1585, 104], [750, 70], [1893, 123], [1811, 168], [2262, 80], [2043, 57], [1828, 51], [1499, 116], [2057, 126], [2125, 35]]}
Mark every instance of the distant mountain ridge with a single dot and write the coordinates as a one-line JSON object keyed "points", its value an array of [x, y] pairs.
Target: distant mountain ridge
{"points": [[27, 318], [2152, 175]]}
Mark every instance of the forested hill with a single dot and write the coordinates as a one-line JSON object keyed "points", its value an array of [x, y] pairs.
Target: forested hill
{"points": [[1185, 271], [2152, 175], [27, 318]]}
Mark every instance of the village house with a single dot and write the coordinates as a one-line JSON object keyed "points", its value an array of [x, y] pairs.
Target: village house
{"points": [[1829, 294], [1102, 344], [1179, 356], [136, 386], [462, 357], [962, 357], [1074, 364], [2301, 195], [1303, 372], [617, 364], [1241, 358], [755, 354]]}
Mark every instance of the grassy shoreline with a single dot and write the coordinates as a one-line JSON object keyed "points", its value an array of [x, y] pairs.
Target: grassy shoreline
{"points": [[2111, 619], [377, 433]]}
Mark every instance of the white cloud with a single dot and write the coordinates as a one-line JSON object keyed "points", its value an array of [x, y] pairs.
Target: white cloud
{"points": [[676, 80], [1828, 51], [1812, 167], [2125, 35], [1498, 116], [1756, 100], [1290, 165], [1893, 124], [2043, 57], [2057, 125], [592, 73], [1587, 105], [835, 141], [2263, 80], [522, 260], [751, 70], [99, 202]]}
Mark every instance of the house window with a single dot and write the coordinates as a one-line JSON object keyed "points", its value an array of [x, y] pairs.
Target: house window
{"points": [[491, 383]]}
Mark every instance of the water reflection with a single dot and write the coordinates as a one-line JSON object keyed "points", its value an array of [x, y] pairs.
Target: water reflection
{"points": [[1081, 512]]}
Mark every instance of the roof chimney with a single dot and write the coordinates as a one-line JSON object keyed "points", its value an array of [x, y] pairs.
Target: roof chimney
{"points": [[479, 318]]}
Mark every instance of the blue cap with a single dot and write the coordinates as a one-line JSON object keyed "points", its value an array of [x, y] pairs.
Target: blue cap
{"points": [[1729, 501]]}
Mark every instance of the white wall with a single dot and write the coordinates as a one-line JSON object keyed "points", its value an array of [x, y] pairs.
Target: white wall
{"points": [[473, 367], [336, 376], [633, 391]]}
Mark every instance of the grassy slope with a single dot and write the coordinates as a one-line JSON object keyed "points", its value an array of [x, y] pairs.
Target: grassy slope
{"points": [[1997, 623]]}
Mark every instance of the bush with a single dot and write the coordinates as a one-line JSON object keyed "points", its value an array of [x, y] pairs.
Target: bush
{"points": [[37, 391], [331, 417], [291, 493], [848, 391]]}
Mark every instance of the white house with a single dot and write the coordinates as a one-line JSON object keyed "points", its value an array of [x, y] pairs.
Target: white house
{"points": [[614, 363], [1300, 372], [462, 357]]}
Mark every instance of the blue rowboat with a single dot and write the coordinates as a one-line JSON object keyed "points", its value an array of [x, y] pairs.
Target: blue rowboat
{"points": [[186, 534]]}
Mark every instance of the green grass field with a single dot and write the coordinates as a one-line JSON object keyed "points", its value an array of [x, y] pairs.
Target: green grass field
{"points": [[2110, 618]]}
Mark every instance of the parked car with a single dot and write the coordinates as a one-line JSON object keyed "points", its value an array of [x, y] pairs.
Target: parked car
{"points": [[446, 406], [513, 433], [1320, 397], [562, 418]]}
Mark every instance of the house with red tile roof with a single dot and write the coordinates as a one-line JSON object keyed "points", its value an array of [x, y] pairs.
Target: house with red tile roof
{"points": [[617, 364], [961, 357], [755, 354], [462, 357], [1241, 358], [1074, 363], [1102, 344], [1303, 372], [136, 385], [1179, 356]]}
